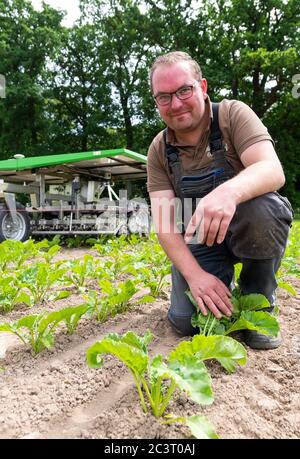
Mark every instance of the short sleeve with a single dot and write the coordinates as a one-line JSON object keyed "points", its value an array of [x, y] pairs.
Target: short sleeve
{"points": [[157, 176], [245, 127]]}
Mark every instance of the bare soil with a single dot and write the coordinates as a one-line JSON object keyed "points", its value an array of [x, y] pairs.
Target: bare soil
{"points": [[56, 395]]}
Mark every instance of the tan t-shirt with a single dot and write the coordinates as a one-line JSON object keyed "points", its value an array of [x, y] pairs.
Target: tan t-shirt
{"points": [[240, 128]]}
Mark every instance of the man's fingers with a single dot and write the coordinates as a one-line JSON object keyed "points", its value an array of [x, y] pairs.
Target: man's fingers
{"points": [[210, 304], [225, 301], [195, 221], [212, 231], [190, 230], [223, 290], [202, 307], [223, 306], [204, 229], [223, 229]]}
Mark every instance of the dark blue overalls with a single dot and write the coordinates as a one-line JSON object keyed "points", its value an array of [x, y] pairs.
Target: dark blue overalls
{"points": [[256, 237]]}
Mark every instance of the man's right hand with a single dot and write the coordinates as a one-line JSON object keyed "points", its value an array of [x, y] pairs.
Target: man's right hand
{"points": [[210, 292]]}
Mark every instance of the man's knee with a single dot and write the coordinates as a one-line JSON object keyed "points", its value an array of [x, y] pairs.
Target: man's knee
{"points": [[260, 228], [182, 324]]}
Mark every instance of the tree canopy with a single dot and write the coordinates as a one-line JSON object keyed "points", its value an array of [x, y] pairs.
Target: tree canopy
{"points": [[86, 87]]}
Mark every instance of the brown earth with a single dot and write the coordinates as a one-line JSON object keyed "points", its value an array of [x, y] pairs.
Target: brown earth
{"points": [[56, 395]]}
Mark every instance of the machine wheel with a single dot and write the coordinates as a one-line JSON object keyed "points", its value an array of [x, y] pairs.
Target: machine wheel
{"points": [[17, 228]]}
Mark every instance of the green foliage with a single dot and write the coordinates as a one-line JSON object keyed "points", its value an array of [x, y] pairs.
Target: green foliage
{"points": [[14, 254], [184, 368], [291, 262], [15, 257], [80, 272], [226, 350], [284, 118], [11, 294], [152, 267], [246, 315], [86, 87], [39, 279], [72, 315], [38, 330], [116, 297], [27, 39], [199, 426], [49, 254], [132, 350]]}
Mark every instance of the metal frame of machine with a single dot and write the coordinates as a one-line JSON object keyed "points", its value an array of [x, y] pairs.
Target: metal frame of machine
{"points": [[67, 194]]}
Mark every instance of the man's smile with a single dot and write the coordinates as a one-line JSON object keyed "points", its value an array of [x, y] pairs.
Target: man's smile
{"points": [[177, 115]]}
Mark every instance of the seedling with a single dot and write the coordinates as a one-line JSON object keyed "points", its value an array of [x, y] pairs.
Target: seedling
{"points": [[246, 315], [38, 330], [184, 368]]}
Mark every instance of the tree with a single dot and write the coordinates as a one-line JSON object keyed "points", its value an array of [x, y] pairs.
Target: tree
{"points": [[254, 49], [283, 123], [123, 34], [27, 39], [79, 97]]}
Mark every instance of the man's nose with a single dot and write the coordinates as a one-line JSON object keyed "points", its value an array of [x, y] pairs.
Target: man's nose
{"points": [[175, 102]]}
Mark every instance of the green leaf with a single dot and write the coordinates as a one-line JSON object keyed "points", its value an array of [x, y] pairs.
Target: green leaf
{"points": [[236, 305], [237, 271], [129, 349], [261, 321], [288, 287], [190, 375], [106, 286], [59, 295], [72, 315], [23, 297], [253, 301], [201, 427], [48, 340], [226, 350], [28, 321], [6, 327], [140, 342], [208, 325], [146, 299]]}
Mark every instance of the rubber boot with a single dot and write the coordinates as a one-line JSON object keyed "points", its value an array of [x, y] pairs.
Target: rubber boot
{"points": [[259, 276]]}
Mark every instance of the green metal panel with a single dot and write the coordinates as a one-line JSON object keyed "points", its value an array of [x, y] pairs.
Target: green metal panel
{"points": [[53, 160]]}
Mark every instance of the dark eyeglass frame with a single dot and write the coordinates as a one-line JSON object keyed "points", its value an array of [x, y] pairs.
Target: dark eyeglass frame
{"points": [[177, 94]]}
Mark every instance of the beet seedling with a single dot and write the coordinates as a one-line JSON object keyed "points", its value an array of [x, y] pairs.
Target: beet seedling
{"points": [[184, 368], [246, 314], [38, 330]]}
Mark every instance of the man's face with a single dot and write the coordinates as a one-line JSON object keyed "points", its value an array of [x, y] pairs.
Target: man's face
{"points": [[183, 116]]}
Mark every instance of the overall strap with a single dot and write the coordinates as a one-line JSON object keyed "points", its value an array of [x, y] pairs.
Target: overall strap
{"points": [[215, 139], [171, 152], [174, 163]]}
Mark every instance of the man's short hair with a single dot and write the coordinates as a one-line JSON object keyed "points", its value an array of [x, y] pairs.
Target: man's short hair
{"points": [[173, 58]]}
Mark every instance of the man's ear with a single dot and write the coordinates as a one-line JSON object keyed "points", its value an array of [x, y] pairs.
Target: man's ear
{"points": [[203, 84]]}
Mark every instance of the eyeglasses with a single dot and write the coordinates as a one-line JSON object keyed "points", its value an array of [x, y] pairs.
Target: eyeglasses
{"points": [[183, 93]]}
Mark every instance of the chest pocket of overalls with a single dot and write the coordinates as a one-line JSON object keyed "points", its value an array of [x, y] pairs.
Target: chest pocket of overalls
{"points": [[199, 183]]}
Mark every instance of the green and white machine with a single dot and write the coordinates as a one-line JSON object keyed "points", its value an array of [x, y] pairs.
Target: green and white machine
{"points": [[71, 194]]}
